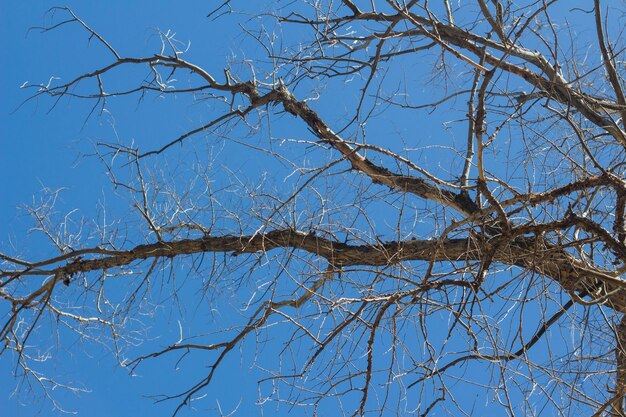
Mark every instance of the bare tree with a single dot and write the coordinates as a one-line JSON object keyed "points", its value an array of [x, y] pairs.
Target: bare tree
{"points": [[396, 270]]}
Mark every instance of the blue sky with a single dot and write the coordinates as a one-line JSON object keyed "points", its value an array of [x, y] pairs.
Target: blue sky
{"points": [[48, 154], [53, 150], [51, 153]]}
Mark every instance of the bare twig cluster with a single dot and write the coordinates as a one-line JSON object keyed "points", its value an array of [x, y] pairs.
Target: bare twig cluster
{"points": [[404, 283]]}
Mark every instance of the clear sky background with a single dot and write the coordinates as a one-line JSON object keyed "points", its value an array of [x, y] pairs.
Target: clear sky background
{"points": [[44, 150], [48, 150]]}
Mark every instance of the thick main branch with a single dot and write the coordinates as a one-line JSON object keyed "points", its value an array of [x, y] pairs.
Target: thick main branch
{"points": [[527, 252]]}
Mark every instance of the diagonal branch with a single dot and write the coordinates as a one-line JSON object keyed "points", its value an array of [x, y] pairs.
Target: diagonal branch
{"points": [[379, 175]]}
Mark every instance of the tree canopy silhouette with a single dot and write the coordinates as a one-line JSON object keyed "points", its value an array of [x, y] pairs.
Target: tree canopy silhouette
{"points": [[429, 218]]}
